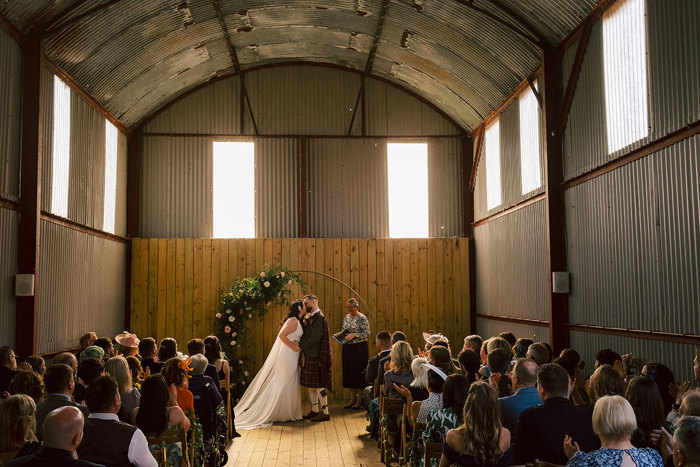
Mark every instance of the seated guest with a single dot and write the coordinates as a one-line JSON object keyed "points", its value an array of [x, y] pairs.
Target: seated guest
{"points": [[579, 396], [212, 350], [29, 383], [480, 440], [59, 387], [508, 337], [469, 363], [440, 357], [541, 429], [105, 343], [86, 340], [147, 349], [401, 357], [158, 412], [63, 432], [37, 363], [106, 440], [17, 424], [446, 344], [499, 343], [419, 385], [473, 342], [383, 366], [196, 346], [88, 371], [521, 346], [207, 400], [118, 368], [648, 408], [606, 357], [167, 350], [135, 370], [663, 377], [92, 351], [613, 422], [606, 381], [484, 356], [550, 352], [499, 363], [523, 379], [454, 395], [690, 405], [8, 367], [436, 381], [175, 372], [67, 358], [383, 342], [686, 440], [128, 344], [538, 353]]}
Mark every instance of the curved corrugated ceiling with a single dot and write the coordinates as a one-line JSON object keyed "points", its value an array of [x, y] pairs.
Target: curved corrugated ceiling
{"points": [[134, 56]]}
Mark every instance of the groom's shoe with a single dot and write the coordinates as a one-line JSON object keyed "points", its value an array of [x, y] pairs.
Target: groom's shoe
{"points": [[322, 417], [310, 415]]}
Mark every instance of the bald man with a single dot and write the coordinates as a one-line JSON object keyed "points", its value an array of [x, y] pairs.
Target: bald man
{"points": [[523, 379], [63, 431]]}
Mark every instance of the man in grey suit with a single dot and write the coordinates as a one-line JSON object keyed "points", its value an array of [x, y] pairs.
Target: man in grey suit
{"points": [[59, 383]]}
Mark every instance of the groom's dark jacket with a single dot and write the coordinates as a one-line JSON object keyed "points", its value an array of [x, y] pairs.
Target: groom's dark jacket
{"points": [[310, 341]]}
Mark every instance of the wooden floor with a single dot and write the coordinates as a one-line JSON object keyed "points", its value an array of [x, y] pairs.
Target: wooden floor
{"points": [[340, 441]]}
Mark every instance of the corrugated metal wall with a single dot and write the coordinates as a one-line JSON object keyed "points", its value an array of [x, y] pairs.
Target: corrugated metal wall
{"points": [[10, 115], [444, 187], [8, 268], [82, 287], [277, 187], [489, 328], [511, 265]]}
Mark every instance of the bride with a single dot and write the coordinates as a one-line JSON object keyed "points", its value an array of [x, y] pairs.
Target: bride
{"points": [[274, 394]]}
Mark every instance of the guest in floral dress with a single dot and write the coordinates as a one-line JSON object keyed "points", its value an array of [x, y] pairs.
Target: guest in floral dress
{"points": [[355, 353], [613, 422]]}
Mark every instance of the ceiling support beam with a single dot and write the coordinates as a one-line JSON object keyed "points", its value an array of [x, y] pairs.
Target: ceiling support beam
{"points": [[370, 60], [477, 155], [27, 308], [573, 77], [234, 59], [554, 201]]}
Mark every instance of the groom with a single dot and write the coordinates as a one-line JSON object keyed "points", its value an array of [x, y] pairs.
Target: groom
{"points": [[318, 361]]}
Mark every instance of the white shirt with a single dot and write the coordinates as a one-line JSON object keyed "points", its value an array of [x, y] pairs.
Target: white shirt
{"points": [[317, 310], [139, 455]]}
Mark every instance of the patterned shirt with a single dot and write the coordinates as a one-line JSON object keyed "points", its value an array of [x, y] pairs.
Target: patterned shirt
{"points": [[432, 404], [358, 325], [646, 457], [436, 428]]}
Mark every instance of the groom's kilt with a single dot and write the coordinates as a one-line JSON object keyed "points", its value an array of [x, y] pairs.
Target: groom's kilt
{"points": [[311, 373]]}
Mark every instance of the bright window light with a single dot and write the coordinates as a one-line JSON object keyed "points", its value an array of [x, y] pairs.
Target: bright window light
{"points": [[625, 72], [110, 201], [407, 167], [492, 147], [61, 148], [234, 190], [529, 142]]}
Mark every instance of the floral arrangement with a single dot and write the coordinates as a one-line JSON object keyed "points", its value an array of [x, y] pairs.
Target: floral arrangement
{"points": [[247, 299]]}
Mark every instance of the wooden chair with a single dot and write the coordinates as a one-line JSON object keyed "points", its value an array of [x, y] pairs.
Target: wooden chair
{"points": [[432, 451], [224, 384], [171, 435], [404, 433], [388, 406], [539, 463]]}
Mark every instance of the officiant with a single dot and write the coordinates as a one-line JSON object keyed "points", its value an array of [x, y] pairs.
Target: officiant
{"points": [[355, 352]]}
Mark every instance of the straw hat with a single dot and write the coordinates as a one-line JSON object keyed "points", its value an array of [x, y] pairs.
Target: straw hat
{"points": [[126, 339], [433, 338]]}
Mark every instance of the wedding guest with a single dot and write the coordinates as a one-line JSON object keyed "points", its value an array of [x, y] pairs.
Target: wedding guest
{"points": [[383, 367], [17, 425], [128, 344], [37, 363], [663, 377], [606, 381], [105, 343], [127, 444], [147, 349], [440, 357], [421, 409], [401, 357], [383, 344], [59, 386], [550, 351], [613, 422], [469, 363], [473, 342], [480, 440], [135, 370], [8, 367], [523, 379], [29, 383], [88, 371], [521, 346], [499, 343], [67, 358], [167, 350], [419, 385], [63, 432], [454, 396], [606, 357], [118, 368], [499, 363], [92, 351], [648, 408], [86, 340], [159, 411], [687, 442], [175, 372], [509, 337], [355, 352], [212, 350], [203, 386], [538, 353], [196, 346]]}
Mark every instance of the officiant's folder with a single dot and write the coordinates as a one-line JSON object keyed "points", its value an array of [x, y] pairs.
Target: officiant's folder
{"points": [[340, 336]]}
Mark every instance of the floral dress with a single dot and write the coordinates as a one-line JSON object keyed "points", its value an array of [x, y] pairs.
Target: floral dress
{"points": [[432, 404], [436, 428], [646, 457]]}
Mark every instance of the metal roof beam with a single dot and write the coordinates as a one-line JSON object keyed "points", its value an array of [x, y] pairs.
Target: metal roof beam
{"points": [[54, 24]]}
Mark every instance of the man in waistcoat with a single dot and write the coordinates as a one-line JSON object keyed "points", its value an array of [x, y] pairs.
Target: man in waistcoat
{"points": [[317, 362], [107, 440]]}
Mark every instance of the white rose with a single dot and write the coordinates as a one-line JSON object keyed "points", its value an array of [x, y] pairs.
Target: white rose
{"points": [[231, 318], [262, 274], [228, 311], [266, 284], [282, 274]]}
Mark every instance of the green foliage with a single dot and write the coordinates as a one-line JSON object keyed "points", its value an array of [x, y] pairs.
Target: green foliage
{"points": [[249, 299]]}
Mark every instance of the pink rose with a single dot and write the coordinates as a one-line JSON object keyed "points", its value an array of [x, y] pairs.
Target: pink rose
{"points": [[227, 329], [233, 335], [218, 315]]}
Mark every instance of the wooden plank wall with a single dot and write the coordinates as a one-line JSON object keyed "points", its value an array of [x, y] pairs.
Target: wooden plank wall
{"points": [[411, 285]]}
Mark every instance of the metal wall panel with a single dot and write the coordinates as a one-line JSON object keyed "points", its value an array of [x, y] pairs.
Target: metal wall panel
{"points": [[487, 328], [674, 65], [634, 244], [10, 115], [678, 357], [511, 264], [122, 156], [83, 287], [176, 187], [8, 268], [276, 187], [444, 187], [348, 191]]}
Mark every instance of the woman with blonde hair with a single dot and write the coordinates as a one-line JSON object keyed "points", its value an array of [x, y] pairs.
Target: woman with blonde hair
{"points": [[400, 360], [17, 425], [481, 440], [118, 368], [613, 422]]}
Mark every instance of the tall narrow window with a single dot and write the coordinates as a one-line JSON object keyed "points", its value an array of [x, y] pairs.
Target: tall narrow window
{"points": [[492, 147], [234, 190], [625, 72], [61, 148], [529, 142], [110, 202], [407, 168]]}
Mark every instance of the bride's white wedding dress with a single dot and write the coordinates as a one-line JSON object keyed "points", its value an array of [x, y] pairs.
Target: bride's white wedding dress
{"points": [[274, 394]]}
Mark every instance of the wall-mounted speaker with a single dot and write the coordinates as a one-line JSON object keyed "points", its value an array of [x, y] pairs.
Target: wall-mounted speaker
{"points": [[560, 282], [24, 285]]}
